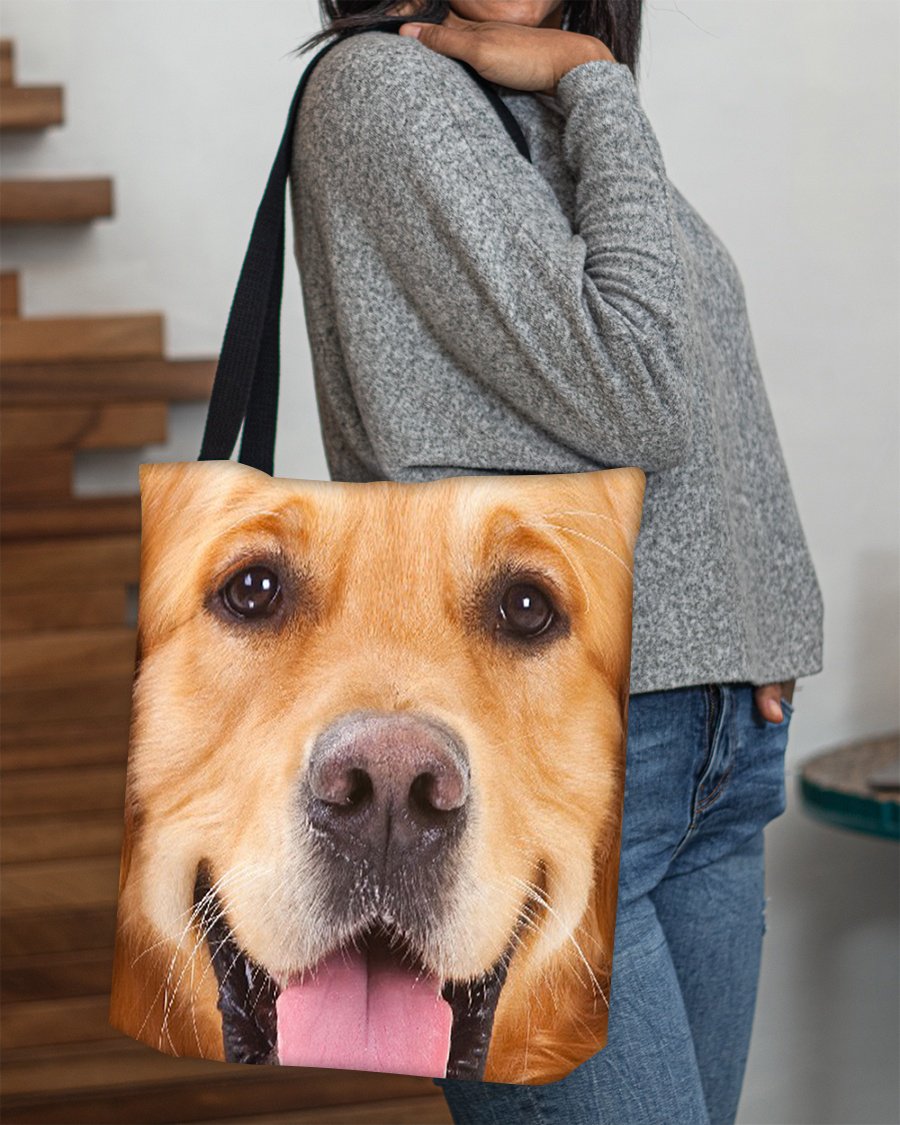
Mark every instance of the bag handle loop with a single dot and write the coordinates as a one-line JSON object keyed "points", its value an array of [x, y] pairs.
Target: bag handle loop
{"points": [[245, 390]]}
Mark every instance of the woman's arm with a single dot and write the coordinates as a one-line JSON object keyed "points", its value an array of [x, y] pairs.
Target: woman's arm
{"points": [[519, 56], [583, 331]]}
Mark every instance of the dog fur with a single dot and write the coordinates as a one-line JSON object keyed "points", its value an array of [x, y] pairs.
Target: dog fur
{"points": [[384, 613]]}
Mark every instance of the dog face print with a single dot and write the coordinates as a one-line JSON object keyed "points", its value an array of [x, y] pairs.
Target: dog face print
{"points": [[376, 770]]}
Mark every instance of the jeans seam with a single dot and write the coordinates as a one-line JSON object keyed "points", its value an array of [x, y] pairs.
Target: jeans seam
{"points": [[710, 697], [714, 707], [710, 797], [703, 803]]}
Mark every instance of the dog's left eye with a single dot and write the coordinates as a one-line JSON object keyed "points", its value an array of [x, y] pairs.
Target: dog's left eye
{"points": [[525, 610], [252, 592]]}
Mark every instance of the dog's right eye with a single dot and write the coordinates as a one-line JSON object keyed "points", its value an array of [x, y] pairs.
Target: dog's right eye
{"points": [[251, 593]]}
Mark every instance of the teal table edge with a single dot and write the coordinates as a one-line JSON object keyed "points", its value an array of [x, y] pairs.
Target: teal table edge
{"points": [[846, 810]]}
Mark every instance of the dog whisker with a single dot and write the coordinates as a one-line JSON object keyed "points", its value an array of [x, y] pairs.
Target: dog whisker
{"points": [[194, 1013], [196, 913], [596, 542], [528, 844], [237, 957], [536, 893], [198, 944], [214, 952], [593, 515], [279, 887], [187, 913], [170, 996]]}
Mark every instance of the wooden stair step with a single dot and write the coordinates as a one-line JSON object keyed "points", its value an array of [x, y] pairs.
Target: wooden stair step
{"points": [[9, 293], [111, 425], [67, 656], [27, 478], [55, 976], [30, 107], [77, 339], [82, 1019], [427, 1109], [60, 884], [39, 732], [80, 1066], [28, 793], [72, 517], [67, 609], [101, 700], [57, 931], [123, 1062], [7, 68], [40, 564], [42, 745], [55, 201], [65, 834], [185, 380]]}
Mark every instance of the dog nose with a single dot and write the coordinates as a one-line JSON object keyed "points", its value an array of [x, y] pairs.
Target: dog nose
{"points": [[388, 783]]}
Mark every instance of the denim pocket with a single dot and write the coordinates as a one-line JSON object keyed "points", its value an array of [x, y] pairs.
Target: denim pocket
{"points": [[765, 743], [774, 752]]}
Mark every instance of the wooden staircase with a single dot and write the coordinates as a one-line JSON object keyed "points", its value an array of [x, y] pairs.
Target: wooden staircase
{"points": [[26, 107], [61, 200], [67, 642]]}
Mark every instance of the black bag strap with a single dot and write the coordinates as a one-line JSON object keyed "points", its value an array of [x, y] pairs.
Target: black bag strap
{"points": [[245, 391]]}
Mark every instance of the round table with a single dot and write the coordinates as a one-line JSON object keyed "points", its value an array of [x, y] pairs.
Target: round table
{"points": [[854, 786]]}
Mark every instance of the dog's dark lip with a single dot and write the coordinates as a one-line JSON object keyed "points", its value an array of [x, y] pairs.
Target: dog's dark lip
{"points": [[247, 994]]}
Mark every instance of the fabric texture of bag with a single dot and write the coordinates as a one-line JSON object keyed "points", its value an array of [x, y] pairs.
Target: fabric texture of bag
{"points": [[377, 747]]}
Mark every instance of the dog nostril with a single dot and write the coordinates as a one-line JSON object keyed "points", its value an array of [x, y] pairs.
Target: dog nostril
{"points": [[338, 784], [360, 788], [443, 792]]}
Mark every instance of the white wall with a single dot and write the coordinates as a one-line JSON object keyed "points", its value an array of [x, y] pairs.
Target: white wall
{"points": [[779, 120]]}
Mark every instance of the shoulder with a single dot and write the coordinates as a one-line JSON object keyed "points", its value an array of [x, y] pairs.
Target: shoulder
{"points": [[381, 85], [370, 64]]}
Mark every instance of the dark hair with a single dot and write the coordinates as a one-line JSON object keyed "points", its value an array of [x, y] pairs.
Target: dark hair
{"points": [[616, 22]]}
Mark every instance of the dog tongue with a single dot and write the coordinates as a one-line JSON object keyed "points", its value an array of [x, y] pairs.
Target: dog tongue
{"points": [[360, 1009]]}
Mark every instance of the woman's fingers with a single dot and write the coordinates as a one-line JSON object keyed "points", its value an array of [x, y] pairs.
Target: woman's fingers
{"points": [[452, 37], [768, 700]]}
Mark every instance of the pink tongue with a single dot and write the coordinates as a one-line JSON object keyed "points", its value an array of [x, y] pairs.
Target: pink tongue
{"points": [[361, 1010]]}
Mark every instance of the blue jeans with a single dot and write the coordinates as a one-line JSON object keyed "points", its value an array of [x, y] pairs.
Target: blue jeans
{"points": [[704, 775]]}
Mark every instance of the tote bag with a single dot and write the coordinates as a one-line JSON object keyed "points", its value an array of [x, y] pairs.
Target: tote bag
{"points": [[377, 746]]}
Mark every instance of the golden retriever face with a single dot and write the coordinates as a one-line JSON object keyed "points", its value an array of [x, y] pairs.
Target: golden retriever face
{"points": [[376, 770]]}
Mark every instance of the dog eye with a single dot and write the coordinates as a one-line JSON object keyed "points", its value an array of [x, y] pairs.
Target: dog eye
{"points": [[525, 610], [252, 592]]}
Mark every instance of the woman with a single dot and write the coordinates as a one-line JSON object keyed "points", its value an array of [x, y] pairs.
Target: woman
{"points": [[470, 312]]}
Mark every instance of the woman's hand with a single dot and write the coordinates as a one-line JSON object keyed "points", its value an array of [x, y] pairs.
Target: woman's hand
{"points": [[522, 58], [768, 699]]}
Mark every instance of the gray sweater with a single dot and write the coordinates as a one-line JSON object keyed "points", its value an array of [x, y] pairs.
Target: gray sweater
{"points": [[469, 312]]}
